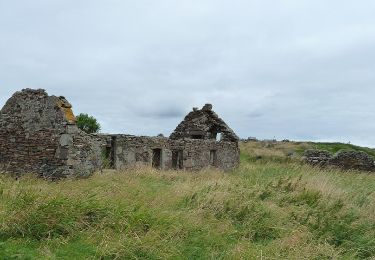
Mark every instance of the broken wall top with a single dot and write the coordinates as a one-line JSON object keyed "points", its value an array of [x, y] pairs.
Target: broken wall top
{"points": [[204, 124], [39, 134], [34, 109]]}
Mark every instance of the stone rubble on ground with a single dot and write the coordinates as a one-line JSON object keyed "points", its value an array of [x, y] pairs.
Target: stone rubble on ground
{"points": [[346, 160]]}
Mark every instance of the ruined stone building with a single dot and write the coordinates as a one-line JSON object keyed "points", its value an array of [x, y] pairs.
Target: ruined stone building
{"points": [[201, 140], [38, 133]]}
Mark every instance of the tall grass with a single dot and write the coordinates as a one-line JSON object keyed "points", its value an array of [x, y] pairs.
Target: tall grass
{"points": [[268, 210]]}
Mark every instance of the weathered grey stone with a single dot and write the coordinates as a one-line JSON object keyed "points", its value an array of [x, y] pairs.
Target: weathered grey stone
{"points": [[38, 134], [317, 157], [347, 160], [195, 154], [204, 124], [207, 107], [353, 160], [66, 140], [193, 145]]}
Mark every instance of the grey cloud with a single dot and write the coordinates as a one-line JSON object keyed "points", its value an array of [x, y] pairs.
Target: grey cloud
{"points": [[255, 114], [164, 113], [293, 69]]}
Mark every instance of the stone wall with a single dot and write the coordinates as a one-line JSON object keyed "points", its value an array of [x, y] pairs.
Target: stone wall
{"points": [[347, 160], [188, 154], [192, 146], [317, 157], [204, 124], [356, 160], [38, 134]]}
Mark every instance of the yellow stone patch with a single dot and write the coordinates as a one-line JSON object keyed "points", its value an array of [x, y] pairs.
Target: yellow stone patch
{"points": [[68, 113]]}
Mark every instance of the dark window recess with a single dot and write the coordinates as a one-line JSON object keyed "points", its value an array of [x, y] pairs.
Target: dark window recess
{"points": [[107, 152], [213, 158], [156, 158], [197, 134], [177, 159]]}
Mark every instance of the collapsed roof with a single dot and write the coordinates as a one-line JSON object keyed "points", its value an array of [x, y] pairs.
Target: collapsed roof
{"points": [[204, 124]]}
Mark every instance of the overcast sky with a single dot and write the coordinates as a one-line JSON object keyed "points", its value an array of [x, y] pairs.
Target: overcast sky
{"points": [[295, 69]]}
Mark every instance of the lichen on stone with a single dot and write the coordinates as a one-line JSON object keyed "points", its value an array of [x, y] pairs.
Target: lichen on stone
{"points": [[66, 107]]}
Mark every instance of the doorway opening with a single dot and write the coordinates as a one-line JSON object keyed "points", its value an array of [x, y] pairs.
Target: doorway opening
{"points": [[213, 158], [108, 154], [177, 159], [156, 158]]}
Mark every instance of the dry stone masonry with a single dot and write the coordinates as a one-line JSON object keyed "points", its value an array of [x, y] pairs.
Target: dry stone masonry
{"points": [[204, 124], [38, 134], [317, 157], [164, 153], [194, 145], [346, 160]]}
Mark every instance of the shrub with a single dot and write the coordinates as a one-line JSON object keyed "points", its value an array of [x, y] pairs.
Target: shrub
{"points": [[88, 124]]}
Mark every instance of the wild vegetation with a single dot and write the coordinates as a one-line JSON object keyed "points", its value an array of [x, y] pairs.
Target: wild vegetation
{"points": [[272, 207], [88, 124]]}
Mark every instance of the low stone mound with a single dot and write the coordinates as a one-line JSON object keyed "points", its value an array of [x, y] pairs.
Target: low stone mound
{"points": [[346, 160], [353, 160], [317, 157]]}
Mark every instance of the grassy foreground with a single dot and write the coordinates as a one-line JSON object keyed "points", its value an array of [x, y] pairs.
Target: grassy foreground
{"points": [[266, 209]]}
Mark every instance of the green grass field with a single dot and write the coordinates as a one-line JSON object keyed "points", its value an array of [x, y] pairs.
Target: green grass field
{"points": [[272, 207]]}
